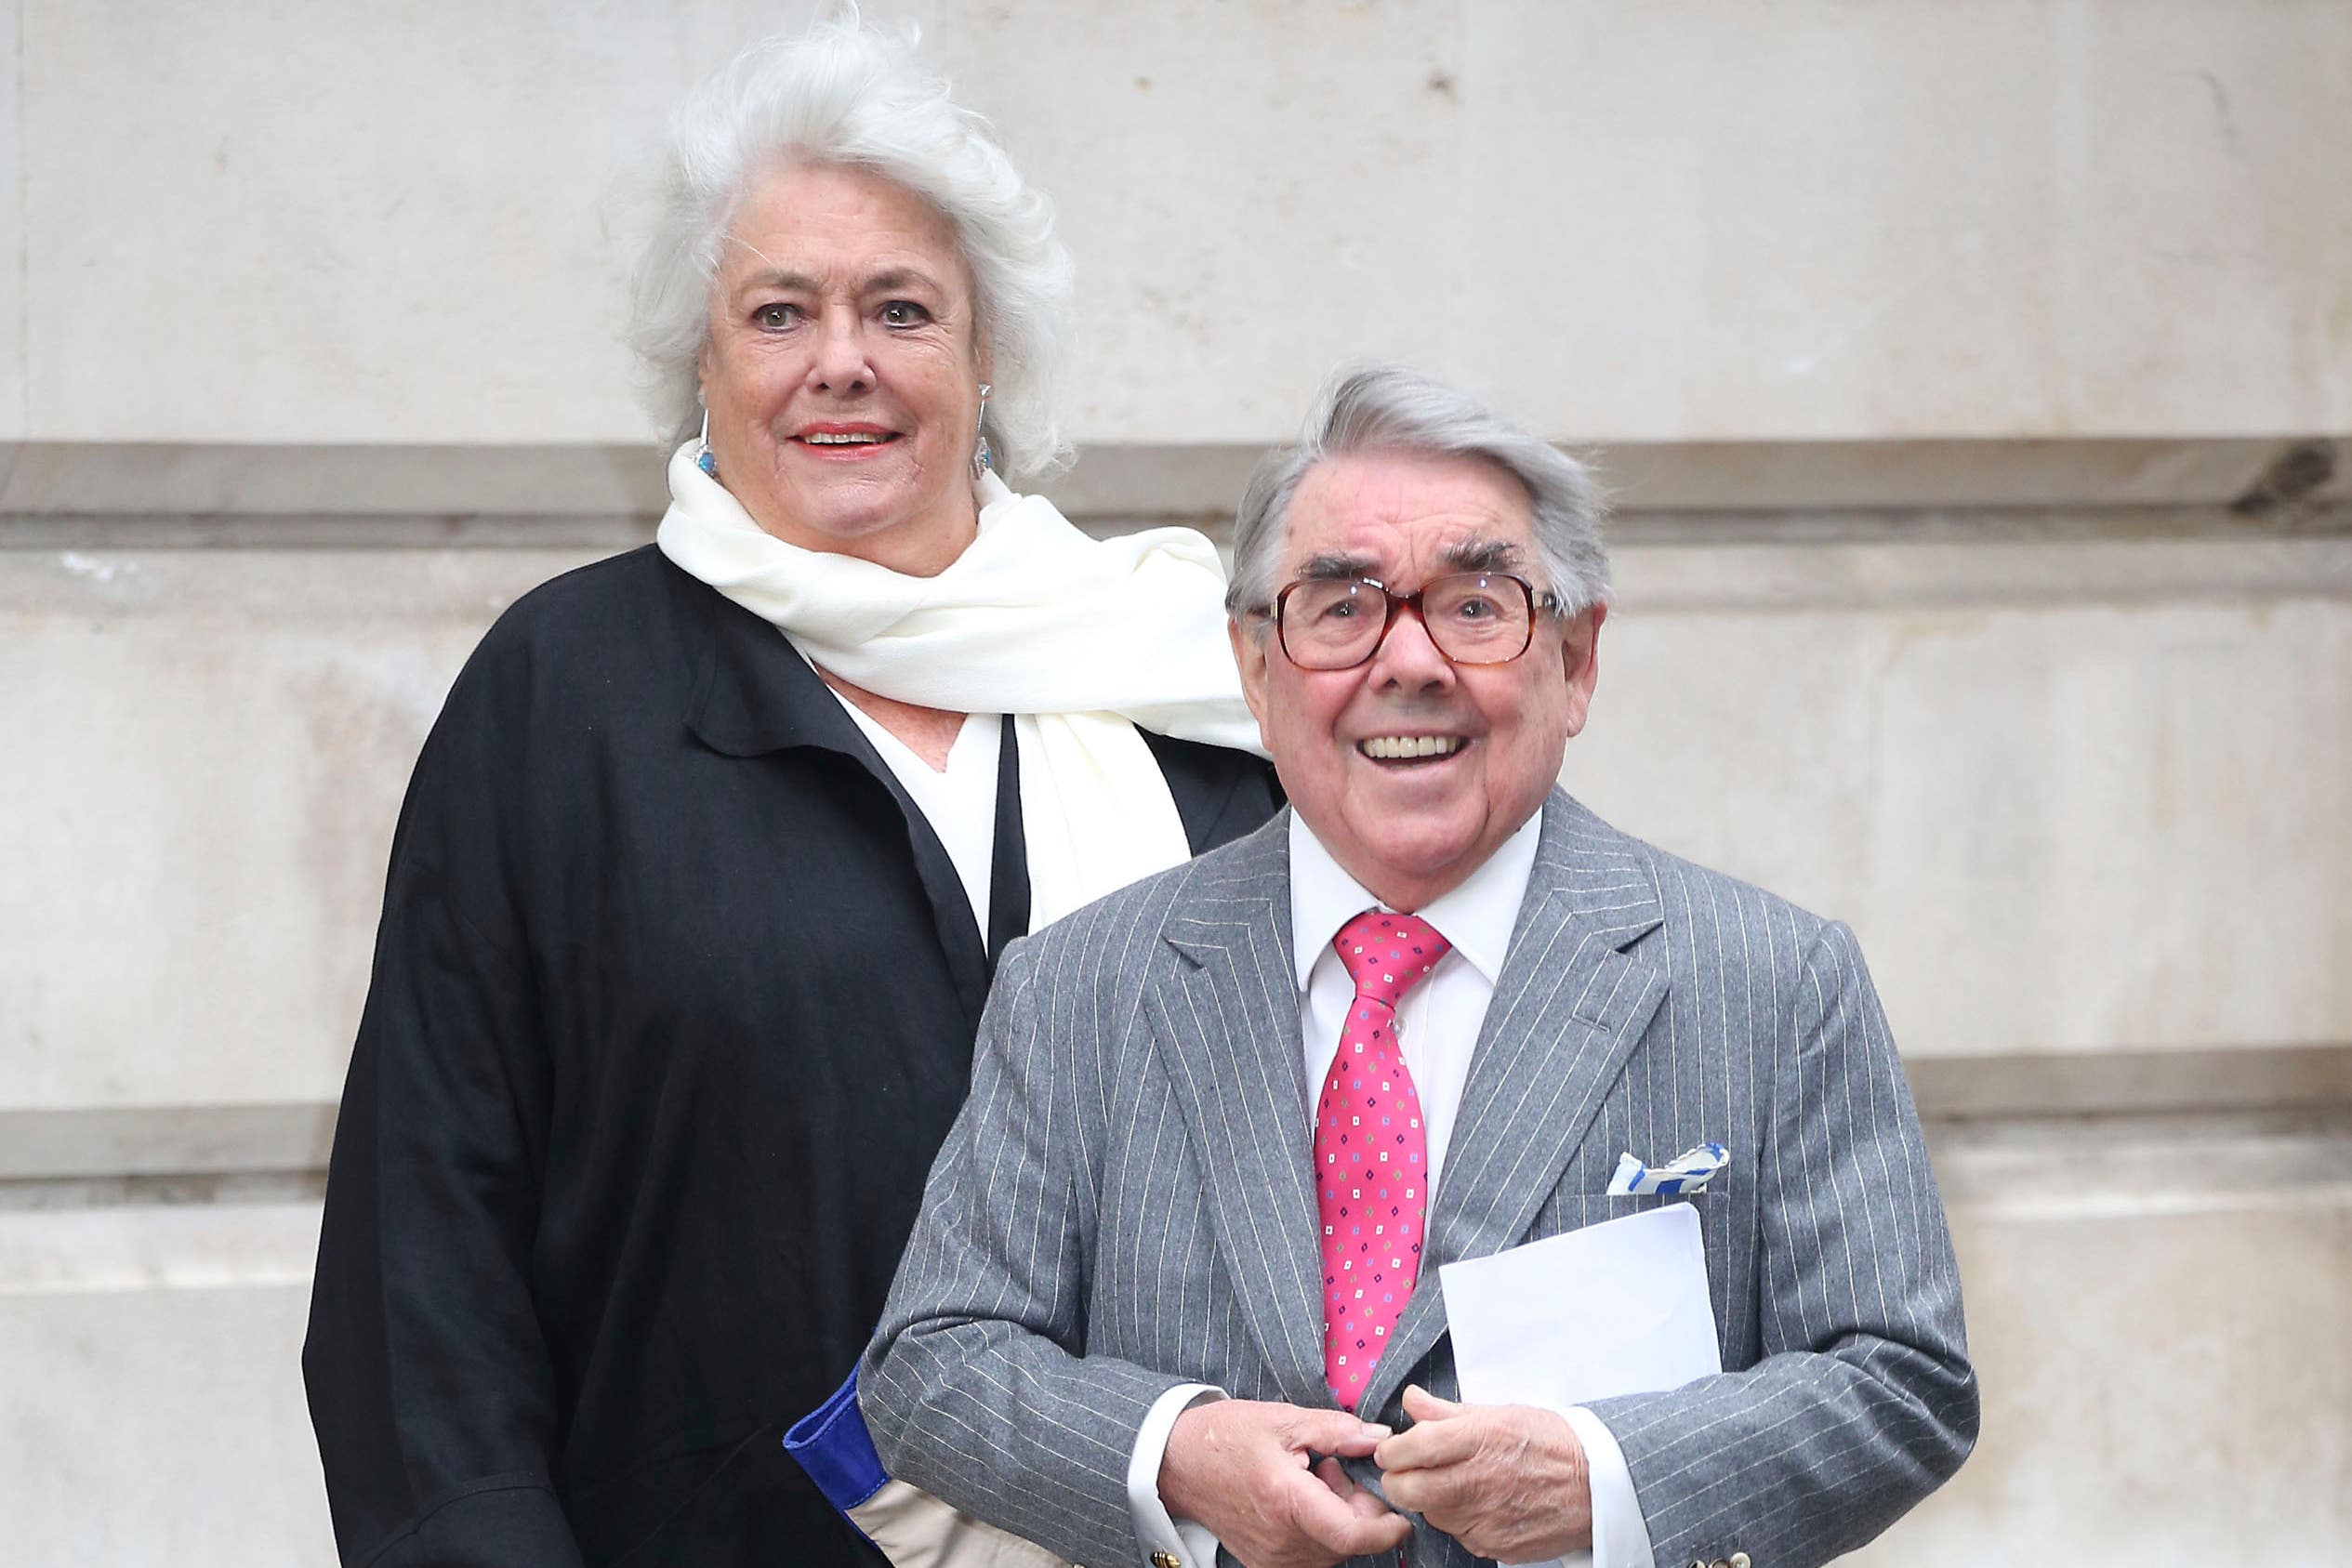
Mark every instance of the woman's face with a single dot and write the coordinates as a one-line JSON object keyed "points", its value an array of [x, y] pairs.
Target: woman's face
{"points": [[842, 374]]}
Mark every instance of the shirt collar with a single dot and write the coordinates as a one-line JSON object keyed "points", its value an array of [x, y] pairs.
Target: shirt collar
{"points": [[1476, 918]]}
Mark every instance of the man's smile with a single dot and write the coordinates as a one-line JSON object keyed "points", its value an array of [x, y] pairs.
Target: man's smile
{"points": [[1410, 748]]}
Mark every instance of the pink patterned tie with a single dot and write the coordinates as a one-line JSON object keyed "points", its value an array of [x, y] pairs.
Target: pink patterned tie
{"points": [[1371, 1164]]}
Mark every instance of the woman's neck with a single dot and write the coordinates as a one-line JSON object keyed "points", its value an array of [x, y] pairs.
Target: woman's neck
{"points": [[928, 733], [923, 545]]}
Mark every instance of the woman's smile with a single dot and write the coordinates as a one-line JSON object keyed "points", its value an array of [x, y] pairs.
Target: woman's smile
{"points": [[846, 444]]}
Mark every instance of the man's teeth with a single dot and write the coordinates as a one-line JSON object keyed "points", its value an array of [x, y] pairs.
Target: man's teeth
{"points": [[1393, 747], [859, 438]]}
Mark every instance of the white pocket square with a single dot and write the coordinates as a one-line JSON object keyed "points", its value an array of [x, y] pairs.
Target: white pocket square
{"points": [[1687, 1172]]}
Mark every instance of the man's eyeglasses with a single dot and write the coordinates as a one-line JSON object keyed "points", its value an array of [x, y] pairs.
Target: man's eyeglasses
{"points": [[1473, 618]]}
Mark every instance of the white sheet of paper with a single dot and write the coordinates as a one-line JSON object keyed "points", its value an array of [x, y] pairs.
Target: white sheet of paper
{"points": [[1619, 1308]]}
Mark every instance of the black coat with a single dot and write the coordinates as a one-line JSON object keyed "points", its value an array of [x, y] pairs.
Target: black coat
{"points": [[673, 1003]]}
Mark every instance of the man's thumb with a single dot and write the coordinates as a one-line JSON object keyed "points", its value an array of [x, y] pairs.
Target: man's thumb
{"points": [[1423, 1406]]}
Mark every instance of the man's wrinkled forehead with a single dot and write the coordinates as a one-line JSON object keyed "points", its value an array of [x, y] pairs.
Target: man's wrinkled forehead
{"points": [[1379, 513]]}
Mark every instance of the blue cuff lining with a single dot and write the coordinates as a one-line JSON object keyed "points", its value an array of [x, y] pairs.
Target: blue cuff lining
{"points": [[832, 1445]]}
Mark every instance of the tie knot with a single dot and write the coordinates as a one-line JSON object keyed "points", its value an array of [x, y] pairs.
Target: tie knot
{"points": [[1388, 955]]}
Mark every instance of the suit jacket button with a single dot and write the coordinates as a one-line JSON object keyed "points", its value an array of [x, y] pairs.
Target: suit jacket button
{"points": [[1739, 1559], [1167, 1559]]}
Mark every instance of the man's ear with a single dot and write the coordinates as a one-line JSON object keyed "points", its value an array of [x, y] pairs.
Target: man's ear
{"points": [[1250, 656], [1581, 662]]}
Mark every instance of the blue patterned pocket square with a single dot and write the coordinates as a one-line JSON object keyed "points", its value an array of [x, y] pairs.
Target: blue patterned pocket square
{"points": [[1688, 1172]]}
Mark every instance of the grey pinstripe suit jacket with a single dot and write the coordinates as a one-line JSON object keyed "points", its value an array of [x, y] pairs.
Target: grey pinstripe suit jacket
{"points": [[1124, 1204]]}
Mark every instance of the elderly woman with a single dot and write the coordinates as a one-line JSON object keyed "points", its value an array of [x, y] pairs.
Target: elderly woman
{"points": [[697, 890]]}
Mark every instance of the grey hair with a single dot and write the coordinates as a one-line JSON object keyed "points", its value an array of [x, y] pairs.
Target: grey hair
{"points": [[843, 92], [1365, 408]]}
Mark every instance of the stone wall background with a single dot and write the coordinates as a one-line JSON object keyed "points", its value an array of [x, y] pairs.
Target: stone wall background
{"points": [[1975, 382]]}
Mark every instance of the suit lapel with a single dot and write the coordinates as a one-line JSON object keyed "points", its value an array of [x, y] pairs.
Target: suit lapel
{"points": [[1567, 1011], [1227, 1014]]}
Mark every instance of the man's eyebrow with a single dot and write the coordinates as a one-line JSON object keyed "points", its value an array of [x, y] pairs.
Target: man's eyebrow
{"points": [[1483, 555], [1330, 567]]}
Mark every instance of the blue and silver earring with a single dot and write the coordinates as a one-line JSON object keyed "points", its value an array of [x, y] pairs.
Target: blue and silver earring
{"points": [[703, 459], [981, 459]]}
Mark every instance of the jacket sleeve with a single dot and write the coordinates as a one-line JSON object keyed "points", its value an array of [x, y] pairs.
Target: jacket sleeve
{"points": [[1865, 1400], [429, 1381], [976, 1386]]}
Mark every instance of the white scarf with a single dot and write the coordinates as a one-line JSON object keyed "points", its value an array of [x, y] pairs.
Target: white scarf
{"points": [[1081, 639]]}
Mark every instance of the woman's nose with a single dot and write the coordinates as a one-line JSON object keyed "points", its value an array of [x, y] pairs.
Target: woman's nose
{"points": [[841, 363]]}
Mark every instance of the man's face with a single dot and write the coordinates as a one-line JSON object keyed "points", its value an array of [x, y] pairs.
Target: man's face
{"points": [[1410, 828]]}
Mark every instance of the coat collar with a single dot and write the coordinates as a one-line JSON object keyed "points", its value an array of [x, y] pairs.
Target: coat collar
{"points": [[754, 695]]}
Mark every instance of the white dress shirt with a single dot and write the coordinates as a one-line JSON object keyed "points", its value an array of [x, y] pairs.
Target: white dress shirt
{"points": [[1438, 1027]]}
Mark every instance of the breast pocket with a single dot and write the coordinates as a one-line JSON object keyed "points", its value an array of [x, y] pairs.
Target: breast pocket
{"points": [[1574, 1211]]}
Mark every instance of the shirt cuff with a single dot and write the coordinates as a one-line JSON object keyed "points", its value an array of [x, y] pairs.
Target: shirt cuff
{"points": [[1155, 1530], [1620, 1537]]}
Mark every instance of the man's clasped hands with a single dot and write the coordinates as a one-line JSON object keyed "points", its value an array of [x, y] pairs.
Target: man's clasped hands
{"points": [[1506, 1480]]}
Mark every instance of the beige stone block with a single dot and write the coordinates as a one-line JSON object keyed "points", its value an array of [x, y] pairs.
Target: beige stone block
{"points": [[2166, 1378], [2147, 1311], [149, 1369], [332, 222], [313, 224], [12, 423], [215, 746], [2072, 796], [1251, 193], [1823, 218]]}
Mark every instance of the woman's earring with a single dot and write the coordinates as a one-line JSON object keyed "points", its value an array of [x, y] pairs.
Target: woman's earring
{"points": [[703, 459], [981, 459]]}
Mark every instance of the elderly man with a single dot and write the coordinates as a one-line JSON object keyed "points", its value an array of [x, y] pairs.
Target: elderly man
{"points": [[1136, 1311]]}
